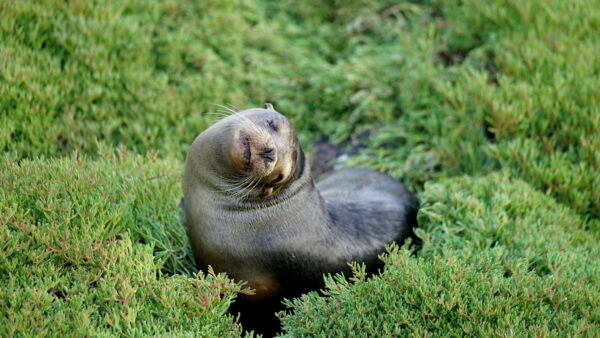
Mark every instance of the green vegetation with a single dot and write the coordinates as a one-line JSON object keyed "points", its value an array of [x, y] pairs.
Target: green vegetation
{"points": [[499, 259], [489, 109], [76, 252]]}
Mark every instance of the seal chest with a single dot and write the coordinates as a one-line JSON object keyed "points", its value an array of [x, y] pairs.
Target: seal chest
{"points": [[253, 210]]}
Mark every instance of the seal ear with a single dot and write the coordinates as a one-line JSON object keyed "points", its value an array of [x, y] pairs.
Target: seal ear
{"points": [[269, 106]]}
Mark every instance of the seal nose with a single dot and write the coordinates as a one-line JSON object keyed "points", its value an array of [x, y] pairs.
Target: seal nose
{"points": [[268, 154]]}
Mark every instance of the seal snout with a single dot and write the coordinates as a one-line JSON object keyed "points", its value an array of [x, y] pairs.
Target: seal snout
{"points": [[253, 152], [268, 155]]}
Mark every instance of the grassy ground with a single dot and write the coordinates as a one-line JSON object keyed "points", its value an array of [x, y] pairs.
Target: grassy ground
{"points": [[490, 110]]}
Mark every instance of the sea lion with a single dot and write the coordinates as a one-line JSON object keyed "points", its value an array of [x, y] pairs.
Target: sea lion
{"points": [[253, 210]]}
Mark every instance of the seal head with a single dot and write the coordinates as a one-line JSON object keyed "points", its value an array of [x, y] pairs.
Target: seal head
{"points": [[263, 152]]}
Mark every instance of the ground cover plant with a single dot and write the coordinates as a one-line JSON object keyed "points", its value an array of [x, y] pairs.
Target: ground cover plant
{"points": [[490, 110], [83, 244], [499, 259]]}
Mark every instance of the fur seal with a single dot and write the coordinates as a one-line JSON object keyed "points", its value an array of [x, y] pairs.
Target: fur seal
{"points": [[253, 210]]}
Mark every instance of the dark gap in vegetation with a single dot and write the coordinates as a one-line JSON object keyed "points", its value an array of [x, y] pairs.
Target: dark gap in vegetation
{"points": [[488, 131], [260, 318], [326, 152], [57, 50], [357, 142], [58, 294], [156, 55], [63, 63], [491, 69], [435, 10], [453, 57], [539, 266], [16, 136], [63, 143]]}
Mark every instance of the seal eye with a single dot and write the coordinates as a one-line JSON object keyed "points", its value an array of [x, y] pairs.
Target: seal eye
{"points": [[272, 124]]}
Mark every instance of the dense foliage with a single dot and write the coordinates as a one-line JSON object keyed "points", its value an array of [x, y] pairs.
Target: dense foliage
{"points": [[494, 104], [82, 245], [499, 259]]}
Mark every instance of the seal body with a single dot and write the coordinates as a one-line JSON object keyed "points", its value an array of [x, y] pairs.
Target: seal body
{"points": [[264, 220]]}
